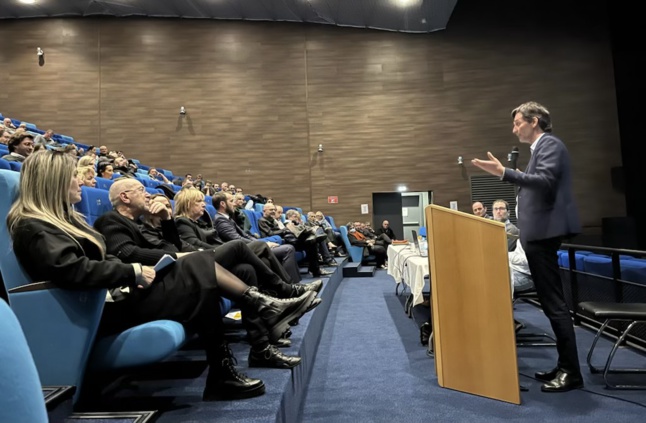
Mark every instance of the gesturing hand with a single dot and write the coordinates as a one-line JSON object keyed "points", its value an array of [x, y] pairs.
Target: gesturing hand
{"points": [[492, 165], [147, 277]]}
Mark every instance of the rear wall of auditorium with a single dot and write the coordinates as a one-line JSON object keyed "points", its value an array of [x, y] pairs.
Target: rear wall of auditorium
{"points": [[388, 108]]}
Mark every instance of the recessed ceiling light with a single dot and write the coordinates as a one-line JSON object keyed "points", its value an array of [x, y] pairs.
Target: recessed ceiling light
{"points": [[27, 1]]}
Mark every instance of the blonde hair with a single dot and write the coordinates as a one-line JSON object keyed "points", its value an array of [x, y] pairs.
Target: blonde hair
{"points": [[185, 198], [84, 170], [45, 179], [86, 161]]}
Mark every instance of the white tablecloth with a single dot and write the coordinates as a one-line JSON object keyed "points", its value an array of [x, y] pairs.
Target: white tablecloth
{"points": [[407, 266]]}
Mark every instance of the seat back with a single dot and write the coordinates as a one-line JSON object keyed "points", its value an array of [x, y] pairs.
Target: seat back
{"points": [[4, 164], [21, 396], [15, 166], [46, 312], [356, 253], [94, 202], [103, 183], [330, 220]]}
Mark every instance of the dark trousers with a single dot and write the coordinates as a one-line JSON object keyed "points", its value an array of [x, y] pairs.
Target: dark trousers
{"points": [[280, 260], [543, 264]]}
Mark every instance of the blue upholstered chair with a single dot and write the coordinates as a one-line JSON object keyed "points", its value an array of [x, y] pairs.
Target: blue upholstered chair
{"points": [[422, 231], [15, 166], [4, 164], [61, 325], [21, 396], [94, 202], [103, 183], [253, 217], [356, 253]]}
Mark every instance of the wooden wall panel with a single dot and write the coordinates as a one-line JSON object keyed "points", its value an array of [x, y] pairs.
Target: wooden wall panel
{"points": [[389, 108]]}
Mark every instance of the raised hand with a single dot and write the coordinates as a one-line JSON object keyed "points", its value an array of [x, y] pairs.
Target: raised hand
{"points": [[492, 165]]}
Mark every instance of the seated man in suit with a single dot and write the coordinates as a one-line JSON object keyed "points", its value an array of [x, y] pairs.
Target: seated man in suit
{"points": [[386, 230], [230, 231], [269, 227], [501, 214], [358, 239], [125, 239], [20, 147]]}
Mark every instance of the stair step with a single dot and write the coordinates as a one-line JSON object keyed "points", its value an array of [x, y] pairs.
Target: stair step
{"points": [[356, 270]]}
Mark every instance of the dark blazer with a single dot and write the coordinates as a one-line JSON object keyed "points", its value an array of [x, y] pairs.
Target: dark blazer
{"points": [[49, 254], [268, 227], [229, 230], [124, 239], [198, 234], [388, 232], [546, 207]]}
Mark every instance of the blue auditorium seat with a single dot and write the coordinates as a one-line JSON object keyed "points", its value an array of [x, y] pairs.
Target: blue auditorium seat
{"points": [[208, 199], [4, 164], [564, 259], [61, 325], [330, 220], [94, 202], [211, 211], [152, 191], [356, 253], [66, 139], [103, 183], [422, 231], [15, 166], [598, 265], [21, 395], [634, 270], [253, 217], [30, 126]]}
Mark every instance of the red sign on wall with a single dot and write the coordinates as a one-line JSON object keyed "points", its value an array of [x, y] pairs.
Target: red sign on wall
{"points": [[332, 199]]}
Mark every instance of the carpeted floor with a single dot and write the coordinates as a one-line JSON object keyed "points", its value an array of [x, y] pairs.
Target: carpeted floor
{"points": [[370, 367]]}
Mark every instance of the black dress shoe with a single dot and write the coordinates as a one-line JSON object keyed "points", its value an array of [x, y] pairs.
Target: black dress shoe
{"points": [[300, 288], [547, 376], [332, 263], [283, 343], [563, 382], [272, 357]]}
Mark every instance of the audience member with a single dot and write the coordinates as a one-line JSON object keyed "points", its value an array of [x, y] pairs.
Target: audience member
{"points": [[269, 227], [105, 170], [53, 243], [480, 210], [358, 239], [46, 139], [386, 230], [5, 136], [230, 231], [20, 147], [86, 176], [501, 214]]}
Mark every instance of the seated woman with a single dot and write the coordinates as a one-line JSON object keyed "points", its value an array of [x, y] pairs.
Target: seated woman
{"points": [[54, 243], [195, 226], [105, 170], [358, 239], [86, 175]]}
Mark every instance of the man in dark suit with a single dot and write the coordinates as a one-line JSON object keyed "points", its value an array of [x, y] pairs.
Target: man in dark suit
{"points": [[229, 230], [546, 214]]}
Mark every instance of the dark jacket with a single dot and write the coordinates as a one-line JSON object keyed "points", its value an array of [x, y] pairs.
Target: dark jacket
{"points": [[49, 254], [388, 232], [229, 230], [124, 239], [199, 234], [546, 207], [268, 227]]}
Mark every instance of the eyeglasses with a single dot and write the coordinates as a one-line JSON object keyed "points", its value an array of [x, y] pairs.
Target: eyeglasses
{"points": [[139, 189]]}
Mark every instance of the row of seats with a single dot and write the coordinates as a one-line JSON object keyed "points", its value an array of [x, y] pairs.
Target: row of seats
{"points": [[46, 311], [631, 269]]}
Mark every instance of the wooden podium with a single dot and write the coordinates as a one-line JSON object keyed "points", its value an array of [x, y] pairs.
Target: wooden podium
{"points": [[473, 325]]}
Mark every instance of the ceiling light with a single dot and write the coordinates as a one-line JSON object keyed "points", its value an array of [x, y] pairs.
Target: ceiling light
{"points": [[27, 1]]}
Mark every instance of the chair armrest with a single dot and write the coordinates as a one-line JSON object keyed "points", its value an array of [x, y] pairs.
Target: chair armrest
{"points": [[36, 286]]}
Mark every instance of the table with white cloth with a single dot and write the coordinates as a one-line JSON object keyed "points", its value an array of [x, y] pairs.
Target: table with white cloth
{"points": [[407, 266]]}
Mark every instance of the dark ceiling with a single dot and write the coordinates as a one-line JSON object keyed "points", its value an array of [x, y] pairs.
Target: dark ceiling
{"points": [[417, 16]]}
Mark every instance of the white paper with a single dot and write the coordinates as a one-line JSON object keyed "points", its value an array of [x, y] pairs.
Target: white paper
{"points": [[234, 315], [453, 205], [364, 209], [163, 262], [404, 211]]}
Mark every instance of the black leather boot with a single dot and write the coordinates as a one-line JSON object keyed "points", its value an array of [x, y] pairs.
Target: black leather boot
{"points": [[299, 289], [272, 357], [277, 313], [225, 383]]}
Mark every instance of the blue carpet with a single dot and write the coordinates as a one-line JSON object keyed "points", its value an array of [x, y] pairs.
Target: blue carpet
{"points": [[370, 367]]}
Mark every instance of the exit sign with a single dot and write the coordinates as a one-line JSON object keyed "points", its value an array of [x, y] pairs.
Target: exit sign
{"points": [[333, 199]]}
